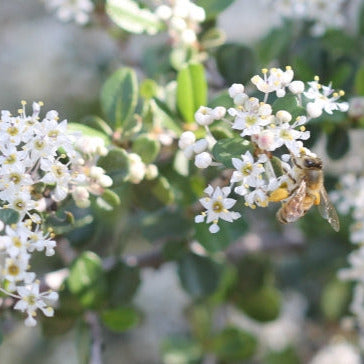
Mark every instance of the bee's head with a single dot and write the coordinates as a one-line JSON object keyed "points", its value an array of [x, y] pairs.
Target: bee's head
{"points": [[312, 163], [308, 162]]}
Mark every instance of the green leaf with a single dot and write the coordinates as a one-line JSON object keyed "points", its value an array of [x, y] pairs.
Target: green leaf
{"points": [[226, 149], [129, 16], [123, 282], [165, 224], [162, 190], [361, 20], [180, 350], [359, 81], [9, 216], [335, 299], [199, 275], [213, 37], [116, 165], [120, 319], [83, 343], [87, 281], [213, 7], [221, 131], [288, 103], [108, 200], [191, 90], [277, 166], [147, 147], [222, 99], [119, 97], [236, 63], [287, 356], [274, 45], [262, 305], [233, 345], [97, 123], [88, 131], [148, 88], [229, 232], [338, 143]]}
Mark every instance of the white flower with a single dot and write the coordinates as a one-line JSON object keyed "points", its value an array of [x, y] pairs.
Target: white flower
{"points": [[217, 207], [356, 109], [276, 82], [356, 271], [203, 160], [247, 171], [137, 168], [251, 117], [324, 98], [68, 10], [182, 18], [31, 300], [338, 353]]}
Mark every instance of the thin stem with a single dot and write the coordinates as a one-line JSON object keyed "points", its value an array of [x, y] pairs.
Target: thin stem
{"points": [[9, 293]]}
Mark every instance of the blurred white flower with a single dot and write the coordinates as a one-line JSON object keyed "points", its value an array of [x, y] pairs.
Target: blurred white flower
{"points": [[337, 353], [68, 10]]}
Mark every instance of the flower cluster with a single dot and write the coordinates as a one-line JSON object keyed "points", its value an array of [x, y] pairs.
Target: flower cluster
{"points": [[41, 165], [324, 13], [263, 129], [182, 18], [350, 199], [72, 10], [138, 170]]}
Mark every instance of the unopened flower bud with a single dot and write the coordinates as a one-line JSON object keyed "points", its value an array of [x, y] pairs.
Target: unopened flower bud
{"points": [[236, 89], [218, 112], [187, 138], [314, 110], [204, 116], [137, 168], [240, 99], [266, 140], [265, 109], [151, 171], [284, 116], [356, 109], [105, 181], [281, 92], [188, 152], [203, 160], [296, 87], [200, 146]]}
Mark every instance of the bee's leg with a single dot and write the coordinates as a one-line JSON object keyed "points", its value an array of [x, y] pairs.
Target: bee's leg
{"points": [[317, 198]]}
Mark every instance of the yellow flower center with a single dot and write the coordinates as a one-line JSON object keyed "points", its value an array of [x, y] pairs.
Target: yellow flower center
{"points": [[15, 178], [250, 120], [53, 134], [31, 299], [218, 206], [247, 169], [12, 130], [13, 270], [17, 242]]}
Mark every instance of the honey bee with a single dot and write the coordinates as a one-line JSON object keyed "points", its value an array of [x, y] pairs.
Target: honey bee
{"points": [[309, 190]]}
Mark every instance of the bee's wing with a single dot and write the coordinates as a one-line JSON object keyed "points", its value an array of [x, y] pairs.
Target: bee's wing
{"points": [[327, 210]]}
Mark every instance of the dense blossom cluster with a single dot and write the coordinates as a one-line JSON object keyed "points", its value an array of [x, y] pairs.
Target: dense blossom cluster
{"points": [[323, 13], [182, 18], [350, 199], [41, 165], [71, 10], [263, 132]]}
